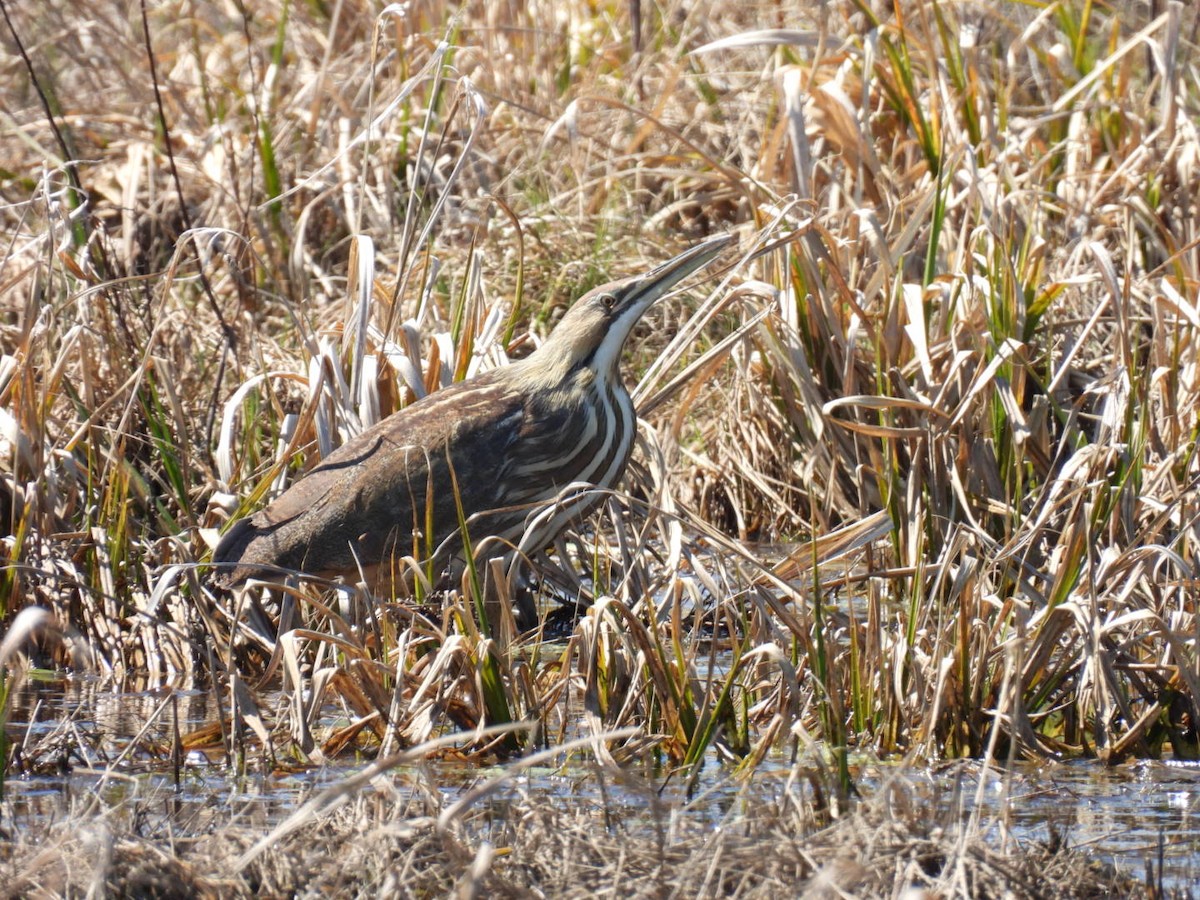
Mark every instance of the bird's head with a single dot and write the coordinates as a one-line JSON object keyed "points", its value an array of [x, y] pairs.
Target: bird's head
{"points": [[595, 328]]}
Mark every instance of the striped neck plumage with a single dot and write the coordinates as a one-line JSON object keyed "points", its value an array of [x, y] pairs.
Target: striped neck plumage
{"points": [[593, 333]]}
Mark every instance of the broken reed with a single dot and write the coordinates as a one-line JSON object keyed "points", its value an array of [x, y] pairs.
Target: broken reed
{"points": [[982, 325]]}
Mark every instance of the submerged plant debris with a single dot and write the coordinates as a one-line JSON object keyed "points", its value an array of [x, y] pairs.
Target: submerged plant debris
{"points": [[392, 837]]}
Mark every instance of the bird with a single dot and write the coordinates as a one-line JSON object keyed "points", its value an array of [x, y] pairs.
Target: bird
{"points": [[489, 455]]}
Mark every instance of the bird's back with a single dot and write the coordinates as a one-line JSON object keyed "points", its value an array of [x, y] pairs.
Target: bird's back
{"points": [[369, 503], [369, 500]]}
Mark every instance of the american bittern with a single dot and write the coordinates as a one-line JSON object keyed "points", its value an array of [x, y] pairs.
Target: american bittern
{"points": [[490, 450]]}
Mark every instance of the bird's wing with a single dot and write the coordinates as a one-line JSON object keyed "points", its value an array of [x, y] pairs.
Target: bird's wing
{"points": [[369, 499]]}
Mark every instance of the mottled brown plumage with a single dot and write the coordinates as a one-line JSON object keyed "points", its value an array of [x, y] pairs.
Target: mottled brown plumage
{"points": [[513, 437]]}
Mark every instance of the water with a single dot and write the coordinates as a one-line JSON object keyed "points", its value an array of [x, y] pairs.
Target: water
{"points": [[1122, 813], [78, 747]]}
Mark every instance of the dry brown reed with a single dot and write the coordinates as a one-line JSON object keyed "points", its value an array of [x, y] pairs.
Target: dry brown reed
{"points": [[393, 838], [965, 320]]}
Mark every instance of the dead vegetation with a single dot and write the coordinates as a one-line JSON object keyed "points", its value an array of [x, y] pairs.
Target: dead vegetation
{"points": [[936, 495], [393, 839]]}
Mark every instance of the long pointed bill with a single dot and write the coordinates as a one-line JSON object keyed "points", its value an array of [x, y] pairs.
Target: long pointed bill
{"points": [[659, 280], [633, 297]]}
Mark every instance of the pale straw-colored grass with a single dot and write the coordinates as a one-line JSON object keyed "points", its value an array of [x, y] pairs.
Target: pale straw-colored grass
{"points": [[964, 307]]}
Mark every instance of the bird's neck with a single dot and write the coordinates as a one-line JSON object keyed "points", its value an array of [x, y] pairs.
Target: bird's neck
{"points": [[551, 367]]}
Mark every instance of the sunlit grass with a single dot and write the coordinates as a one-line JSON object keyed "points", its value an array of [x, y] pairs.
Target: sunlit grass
{"points": [[977, 318]]}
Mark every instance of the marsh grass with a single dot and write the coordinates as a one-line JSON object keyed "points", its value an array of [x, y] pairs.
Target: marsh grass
{"points": [[393, 834], [959, 332]]}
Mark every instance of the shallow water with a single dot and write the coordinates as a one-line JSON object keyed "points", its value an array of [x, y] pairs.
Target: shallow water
{"points": [[1128, 815]]}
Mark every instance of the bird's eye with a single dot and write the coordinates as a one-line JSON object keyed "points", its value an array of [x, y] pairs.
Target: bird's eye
{"points": [[608, 300]]}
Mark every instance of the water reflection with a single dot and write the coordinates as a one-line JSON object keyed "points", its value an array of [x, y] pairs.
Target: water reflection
{"points": [[1125, 815]]}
